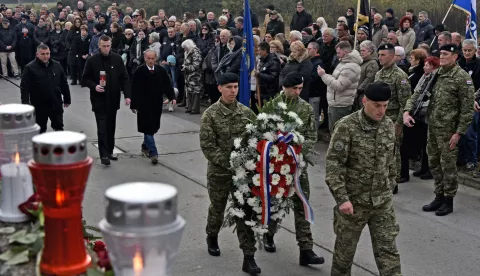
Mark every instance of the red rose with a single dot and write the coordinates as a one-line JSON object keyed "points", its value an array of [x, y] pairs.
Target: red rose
{"points": [[282, 148], [277, 167], [273, 190], [287, 189], [99, 246], [297, 149], [34, 198], [283, 181], [288, 159], [28, 207], [256, 191], [104, 260]]}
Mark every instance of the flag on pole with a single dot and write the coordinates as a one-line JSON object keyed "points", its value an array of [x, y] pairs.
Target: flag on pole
{"points": [[364, 15], [248, 56], [470, 8]]}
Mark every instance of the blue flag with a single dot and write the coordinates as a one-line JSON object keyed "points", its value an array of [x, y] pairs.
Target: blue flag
{"points": [[470, 8], [248, 57]]}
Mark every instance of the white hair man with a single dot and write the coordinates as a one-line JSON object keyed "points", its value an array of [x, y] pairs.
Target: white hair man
{"points": [[295, 36]]}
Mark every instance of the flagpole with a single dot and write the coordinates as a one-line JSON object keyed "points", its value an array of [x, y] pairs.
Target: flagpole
{"points": [[356, 24], [443, 21]]}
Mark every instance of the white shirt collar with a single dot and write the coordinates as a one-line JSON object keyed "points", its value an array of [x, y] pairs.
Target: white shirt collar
{"points": [[153, 68]]}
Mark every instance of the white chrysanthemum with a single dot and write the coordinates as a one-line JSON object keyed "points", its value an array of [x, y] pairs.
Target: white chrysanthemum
{"points": [[275, 179], [291, 192], [280, 193], [292, 115], [282, 105], [256, 180], [253, 201], [299, 121], [237, 212], [233, 155], [281, 126], [237, 142], [262, 116], [252, 142], [295, 138], [274, 151], [301, 138], [271, 168], [257, 209], [275, 117], [280, 157], [289, 179], [268, 136], [250, 165], [250, 127], [240, 173], [239, 196], [285, 169], [235, 178], [250, 223]]}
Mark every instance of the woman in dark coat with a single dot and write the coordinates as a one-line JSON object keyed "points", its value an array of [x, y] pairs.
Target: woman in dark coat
{"points": [[299, 61], [57, 45], [41, 33], [206, 42], [231, 62], [82, 45], [118, 38], [72, 60], [139, 45]]}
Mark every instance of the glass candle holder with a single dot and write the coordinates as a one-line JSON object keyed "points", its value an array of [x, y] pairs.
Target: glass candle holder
{"points": [[142, 230], [60, 169]]}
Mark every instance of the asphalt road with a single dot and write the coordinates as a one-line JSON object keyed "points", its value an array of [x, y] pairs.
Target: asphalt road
{"points": [[429, 245]]}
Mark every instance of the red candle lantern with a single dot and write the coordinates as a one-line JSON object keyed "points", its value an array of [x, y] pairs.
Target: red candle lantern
{"points": [[60, 169]]}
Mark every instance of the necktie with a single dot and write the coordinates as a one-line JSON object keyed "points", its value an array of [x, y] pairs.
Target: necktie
{"points": [[152, 71]]}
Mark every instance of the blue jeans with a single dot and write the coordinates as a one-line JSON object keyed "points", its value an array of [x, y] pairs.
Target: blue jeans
{"points": [[467, 146], [173, 73], [149, 143]]}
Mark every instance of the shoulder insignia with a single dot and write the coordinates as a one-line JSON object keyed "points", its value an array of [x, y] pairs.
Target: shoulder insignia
{"points": [[469, 82], [338, 145], [204, 135], [403, 82]]}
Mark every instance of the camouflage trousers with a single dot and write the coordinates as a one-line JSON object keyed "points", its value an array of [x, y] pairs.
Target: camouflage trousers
{"points": [[383, 228], [393, 115], [219, 188], [442, 161], [303, 232]]}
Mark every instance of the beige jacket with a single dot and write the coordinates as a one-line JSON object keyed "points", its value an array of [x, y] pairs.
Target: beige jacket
{"points": [[379, 35], [406, 40]]}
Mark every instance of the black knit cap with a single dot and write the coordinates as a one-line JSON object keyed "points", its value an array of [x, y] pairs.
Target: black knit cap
{"points": [[227, 78], [270, 7], [378, 92], [292, 79]]}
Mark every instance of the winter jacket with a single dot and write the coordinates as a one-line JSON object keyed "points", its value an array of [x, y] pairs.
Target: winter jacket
{"points": [[193, 71], [392, 23], [41, 35], [231, 62], [327, 54], [137, 54], [169, 47], [93, 48], [8, 37], [380, 33], [72, 36], [156, 47], [58, 49], [342, 84], [268, 74], [368, 68], [300, 21], [207, 44], [302, 65], [424, 31], [275, 27], [406, 40], [317, 86], [472, 67]]}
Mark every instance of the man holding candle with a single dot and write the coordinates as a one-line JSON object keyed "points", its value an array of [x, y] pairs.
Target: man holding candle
{"points": [[43, 85], [105, 99]]}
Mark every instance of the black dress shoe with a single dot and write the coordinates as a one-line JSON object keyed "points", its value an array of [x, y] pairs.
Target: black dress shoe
{"points": [[426, 176], [212, 244], [105, 161], [250, 266], [111, 157], [268, 243], [308, 257], [187, 111], [403, 179], [418, 173]]}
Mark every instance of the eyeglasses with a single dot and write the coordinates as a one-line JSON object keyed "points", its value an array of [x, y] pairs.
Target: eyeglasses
{"points": [[224, 12], [340, 21]]}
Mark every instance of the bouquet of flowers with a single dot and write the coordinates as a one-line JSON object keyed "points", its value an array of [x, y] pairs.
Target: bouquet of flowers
{"points": [[267, 162]]}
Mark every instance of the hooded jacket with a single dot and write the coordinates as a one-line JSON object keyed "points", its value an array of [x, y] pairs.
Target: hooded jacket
{"points": [[342, 84]]}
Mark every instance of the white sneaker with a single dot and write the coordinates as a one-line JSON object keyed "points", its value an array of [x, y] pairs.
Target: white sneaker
{"points": [[170, 107]]}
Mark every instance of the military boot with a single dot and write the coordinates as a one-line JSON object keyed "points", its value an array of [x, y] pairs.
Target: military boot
{"points": [[435, 204], [308, 257], [250, 266], [268, 243], [212, 243], [446, 208], [395, 190]]}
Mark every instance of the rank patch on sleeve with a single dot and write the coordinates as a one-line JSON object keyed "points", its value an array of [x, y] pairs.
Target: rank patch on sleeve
{"points": [[338, 145]]}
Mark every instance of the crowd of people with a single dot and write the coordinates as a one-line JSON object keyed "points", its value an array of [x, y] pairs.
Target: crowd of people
{"points": [[429, 74]]}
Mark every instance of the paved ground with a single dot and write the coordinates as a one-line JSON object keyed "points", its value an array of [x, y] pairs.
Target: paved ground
{"points": [[428, 245]]}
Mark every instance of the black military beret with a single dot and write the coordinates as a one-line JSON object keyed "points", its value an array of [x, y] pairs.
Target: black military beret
{"points": [[227, 78], [292, 79], [452, 48], [378, 92], [387, 46]]}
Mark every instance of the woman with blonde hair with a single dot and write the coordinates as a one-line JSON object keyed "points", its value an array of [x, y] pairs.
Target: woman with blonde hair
{"points": [[276, 47], [298, 61], [321, 23], [286, 46]]}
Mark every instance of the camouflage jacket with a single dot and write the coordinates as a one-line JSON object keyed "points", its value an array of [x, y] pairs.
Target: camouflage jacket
{"points": [[451, 103], [220, 125], [305, 112], [360, 163], [400, 86]]}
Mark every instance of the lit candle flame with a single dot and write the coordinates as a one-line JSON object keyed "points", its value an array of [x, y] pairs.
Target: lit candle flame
{"points": [[17, 158], [137, 263], [60, 196]]}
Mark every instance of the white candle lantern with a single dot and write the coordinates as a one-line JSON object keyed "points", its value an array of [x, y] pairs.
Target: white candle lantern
{"points": [[142, 230], [17, 128]]}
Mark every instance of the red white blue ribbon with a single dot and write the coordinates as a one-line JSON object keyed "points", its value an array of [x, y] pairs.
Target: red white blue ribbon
{"points": [[299, 191]]}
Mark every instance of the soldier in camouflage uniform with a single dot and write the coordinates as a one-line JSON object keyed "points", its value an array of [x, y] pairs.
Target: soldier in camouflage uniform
{"points": [[221, 123], [449, 114], [292, 86], [360, 172], [399, 84]]}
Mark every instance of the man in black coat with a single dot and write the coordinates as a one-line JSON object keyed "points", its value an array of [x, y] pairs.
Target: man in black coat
{"points": [[268, 74], [149, 83], [43, 84], [318, 89], [105, 94], [8, 43], [301, 19]]}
